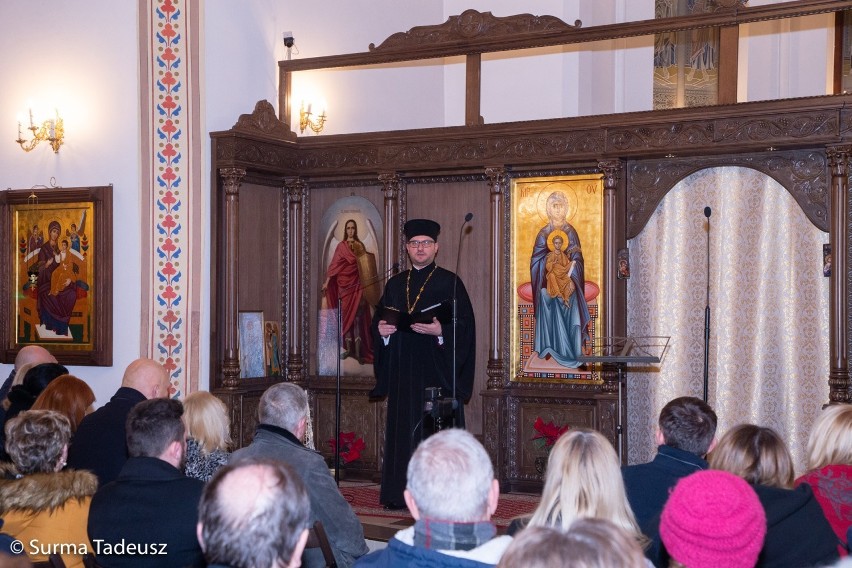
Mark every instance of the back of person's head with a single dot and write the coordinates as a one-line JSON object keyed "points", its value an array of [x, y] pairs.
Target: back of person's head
{"points": [[283, 405], [831, 437], [23, 396], [68, 395], [689, 424], [450, 476], [35, 440], [20, 373], [153, 425], [583, 480], [207, 421], [756, 454], [33, 355], [253, 513], [148, 377], [589, 543], [713, 518]]}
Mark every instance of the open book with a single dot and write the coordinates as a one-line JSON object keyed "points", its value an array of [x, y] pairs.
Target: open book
{"points": [[403, 320]]}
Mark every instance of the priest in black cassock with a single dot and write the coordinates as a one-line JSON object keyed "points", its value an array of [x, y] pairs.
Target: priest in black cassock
{"points": [[409, 358]]}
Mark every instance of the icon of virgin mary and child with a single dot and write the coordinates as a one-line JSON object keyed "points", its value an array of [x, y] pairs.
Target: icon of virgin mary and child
{"points": [[558, 281]]}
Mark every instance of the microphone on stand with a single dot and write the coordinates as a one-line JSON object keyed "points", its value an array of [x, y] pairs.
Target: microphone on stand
{"points": [[707, 212], [467, 219], [437, 410]]}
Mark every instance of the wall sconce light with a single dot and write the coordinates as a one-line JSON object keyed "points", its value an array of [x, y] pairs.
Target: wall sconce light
{"points": [[51, 130], [307, 119]]}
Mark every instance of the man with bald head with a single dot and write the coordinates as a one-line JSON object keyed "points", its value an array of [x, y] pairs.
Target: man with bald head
{"points": [[100, 444], [29, 355], [243, 492]]}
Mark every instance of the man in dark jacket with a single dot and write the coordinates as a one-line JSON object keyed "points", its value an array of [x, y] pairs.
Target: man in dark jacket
{"points": [[686, 433], [99, 444], [148, 516]]}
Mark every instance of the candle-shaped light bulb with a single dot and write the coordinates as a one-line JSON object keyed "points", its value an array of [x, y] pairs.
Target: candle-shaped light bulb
{"points": [[31, 117], [52, 128], [20, 136]]}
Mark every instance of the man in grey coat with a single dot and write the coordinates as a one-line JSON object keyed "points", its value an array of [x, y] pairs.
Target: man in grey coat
{"points": [[283, 416]]}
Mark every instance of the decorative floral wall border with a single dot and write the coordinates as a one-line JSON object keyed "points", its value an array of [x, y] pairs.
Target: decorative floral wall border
{"points": [[173, 200]]}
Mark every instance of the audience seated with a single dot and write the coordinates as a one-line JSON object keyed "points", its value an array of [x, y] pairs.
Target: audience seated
{"points": [[67, 395], [830, 468], [100, 444], [28, 356], [686, 431], [39, 501], [17, 379], [798, 533], [713, 519], [254, 513], [209, 434], [451, 493], [583, 480], [283, 412], [589, 543], [148, 515], [21, 397]]}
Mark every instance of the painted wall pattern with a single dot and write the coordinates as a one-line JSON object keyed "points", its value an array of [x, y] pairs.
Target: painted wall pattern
{"points": [[168, 87]]}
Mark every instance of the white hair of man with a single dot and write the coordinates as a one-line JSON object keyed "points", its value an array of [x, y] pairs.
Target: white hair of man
{"points": [[283, 405], [450, 476]]}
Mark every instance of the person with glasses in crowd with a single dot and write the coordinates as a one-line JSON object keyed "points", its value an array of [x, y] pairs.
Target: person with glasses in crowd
{"points": [[416, 348]]}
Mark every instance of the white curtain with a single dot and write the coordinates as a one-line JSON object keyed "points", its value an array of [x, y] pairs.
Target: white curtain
{"points": [[768, 355]]}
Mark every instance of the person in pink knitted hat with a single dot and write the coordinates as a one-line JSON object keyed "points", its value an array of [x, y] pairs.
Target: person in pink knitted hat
{"points": [[713, 518]]}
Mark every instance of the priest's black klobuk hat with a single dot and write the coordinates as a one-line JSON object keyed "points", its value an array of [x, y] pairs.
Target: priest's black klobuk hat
{"points": [[417, 227]]}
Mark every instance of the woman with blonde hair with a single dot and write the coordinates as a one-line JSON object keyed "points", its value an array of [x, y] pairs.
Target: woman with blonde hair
{"points": [[68, 395], [39, 502], [208, 435], [798, 533], [583, 480], [830, 468]]}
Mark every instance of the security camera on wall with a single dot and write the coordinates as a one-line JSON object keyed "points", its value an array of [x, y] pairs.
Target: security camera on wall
{"points": [[288, 39]]}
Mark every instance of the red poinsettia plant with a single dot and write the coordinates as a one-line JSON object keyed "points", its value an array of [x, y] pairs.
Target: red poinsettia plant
{"points": [[547, 434], [350, 447]]}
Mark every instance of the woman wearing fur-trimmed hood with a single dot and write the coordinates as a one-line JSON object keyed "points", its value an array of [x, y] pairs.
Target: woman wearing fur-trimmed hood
{"points": [[47, 509]]}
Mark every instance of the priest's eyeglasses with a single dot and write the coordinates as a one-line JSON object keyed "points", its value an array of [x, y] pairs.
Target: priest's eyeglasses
{"points": [[420, 244]]}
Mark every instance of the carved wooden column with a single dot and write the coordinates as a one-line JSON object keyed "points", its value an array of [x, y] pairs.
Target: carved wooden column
{"points": [[231, 180], [391, 184], [296, 188], [838, 318], [494, 425], [611, 170], [498, 183]]}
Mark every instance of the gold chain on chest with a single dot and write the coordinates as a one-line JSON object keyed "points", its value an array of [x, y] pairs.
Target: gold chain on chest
{"points": [[408, 294]]}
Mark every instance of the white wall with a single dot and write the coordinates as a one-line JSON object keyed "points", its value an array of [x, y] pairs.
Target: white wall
{"points": [[82, 59]]}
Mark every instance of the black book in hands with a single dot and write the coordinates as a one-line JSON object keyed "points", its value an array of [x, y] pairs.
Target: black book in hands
{"points": [[403, 320]]}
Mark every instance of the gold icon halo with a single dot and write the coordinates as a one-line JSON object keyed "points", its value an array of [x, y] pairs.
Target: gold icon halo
{"points": [[553, 235]]}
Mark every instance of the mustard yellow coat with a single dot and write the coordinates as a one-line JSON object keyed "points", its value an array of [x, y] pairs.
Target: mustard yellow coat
{"points": [[48, 512]]}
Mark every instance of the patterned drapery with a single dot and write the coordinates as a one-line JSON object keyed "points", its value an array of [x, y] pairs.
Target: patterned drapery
{"points": [[769, 348]]}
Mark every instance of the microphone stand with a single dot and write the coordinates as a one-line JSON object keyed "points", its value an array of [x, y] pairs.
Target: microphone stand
{"points": [[351, 289], [467, 219], [707, 312]]}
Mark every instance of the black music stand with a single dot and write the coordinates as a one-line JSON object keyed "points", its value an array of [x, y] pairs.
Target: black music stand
{"points": [[622, 351]]}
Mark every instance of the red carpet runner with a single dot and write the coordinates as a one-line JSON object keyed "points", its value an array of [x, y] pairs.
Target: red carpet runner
{"points": [[364, 499]]}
